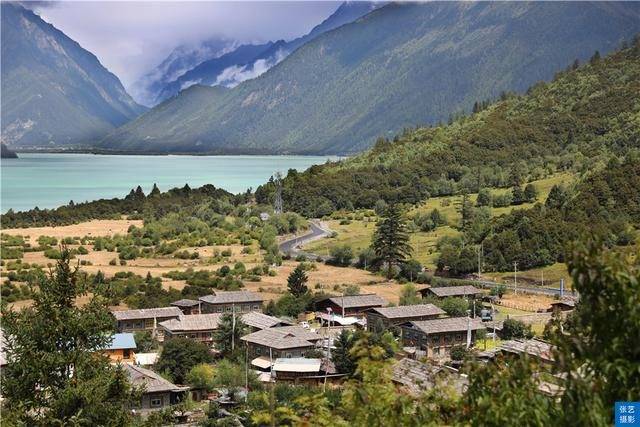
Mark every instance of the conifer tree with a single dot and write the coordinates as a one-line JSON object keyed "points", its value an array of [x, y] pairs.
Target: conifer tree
{"points": [[297, 282], [391, 240]]}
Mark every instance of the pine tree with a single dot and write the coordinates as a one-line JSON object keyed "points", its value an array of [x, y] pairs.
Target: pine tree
{"points": [[56, 374], [297, 282], [227, 336], [155, 191], [391, 240]]}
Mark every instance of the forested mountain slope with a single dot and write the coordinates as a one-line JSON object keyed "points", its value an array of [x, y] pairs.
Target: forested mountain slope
{"points": [[578, 120], [54, 92], [401, 65]]}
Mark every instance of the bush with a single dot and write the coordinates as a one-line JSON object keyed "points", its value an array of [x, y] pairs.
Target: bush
{"points": [[455, 307], [341, 256], [499, 290], [458, 352], [179, 355], [201, 376], [513, 328]]}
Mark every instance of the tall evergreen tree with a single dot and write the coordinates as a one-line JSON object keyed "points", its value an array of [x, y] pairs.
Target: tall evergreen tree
{"points": [[391, 240], [297, 282], [228, 334], [56, 374]]}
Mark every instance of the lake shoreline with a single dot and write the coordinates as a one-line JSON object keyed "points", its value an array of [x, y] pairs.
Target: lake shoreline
{"points": [[177, 153]]}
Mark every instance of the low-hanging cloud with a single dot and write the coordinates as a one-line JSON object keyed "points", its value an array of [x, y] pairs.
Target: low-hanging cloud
{"points": [[131, 38], [234, 75]]}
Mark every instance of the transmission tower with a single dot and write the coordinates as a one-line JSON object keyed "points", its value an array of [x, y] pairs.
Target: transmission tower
{"points": [[277, 203]]}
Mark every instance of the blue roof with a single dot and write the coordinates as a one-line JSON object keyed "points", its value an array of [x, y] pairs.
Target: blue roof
{"points": [[122, 341]]}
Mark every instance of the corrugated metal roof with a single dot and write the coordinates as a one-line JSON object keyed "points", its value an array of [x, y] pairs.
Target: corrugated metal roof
{"points": [[229, 297], [408, 311], [448, 324], [147, 313], [297, 364], [454, 291], [122, 342]]}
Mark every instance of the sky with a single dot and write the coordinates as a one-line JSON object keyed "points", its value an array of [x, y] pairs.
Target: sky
{"points": [[132, 37]]}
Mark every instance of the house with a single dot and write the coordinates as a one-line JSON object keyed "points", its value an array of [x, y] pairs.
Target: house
{"points": [[158, 393], [122, 348], [302, 369], [227, 301], [563, 305], [199, 327], [451, 291], [351, 305], [202, 327], [145, 319], [535, 348], [415, 377], [187, 306], [382, 318], [284, 342], [435, 337]]}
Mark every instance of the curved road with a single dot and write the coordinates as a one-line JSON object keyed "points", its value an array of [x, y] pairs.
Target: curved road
{"points": [[292, 246]]}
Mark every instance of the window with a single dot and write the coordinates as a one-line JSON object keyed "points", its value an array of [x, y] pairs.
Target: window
{"points": [[156, 402], [447, 339], [288, 355], [458, 337], [436, 351], [258, 351], [435, 340], [126, 353], [219, 309], [256, 307], [228, 308]]}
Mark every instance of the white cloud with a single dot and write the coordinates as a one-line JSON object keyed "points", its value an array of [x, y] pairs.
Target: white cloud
{"points": [[233, 76]]}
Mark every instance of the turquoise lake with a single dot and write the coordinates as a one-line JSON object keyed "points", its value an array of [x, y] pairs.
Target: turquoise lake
{"points": [[50, 180]]}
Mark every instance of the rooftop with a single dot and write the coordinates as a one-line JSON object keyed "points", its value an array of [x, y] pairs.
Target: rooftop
{"points": [[147, 313], [230, 297], [261, 320], [353, 301], [447, 324], [533, 347], [418, 377], [124, 341], [185, 303], [404, 311], [297, 364], [193, 322], [152, 382], [454, 291], [283, 338]]}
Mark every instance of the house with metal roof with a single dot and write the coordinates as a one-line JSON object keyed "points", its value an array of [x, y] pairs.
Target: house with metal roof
{"points": [[145, 319], [158, 393], [452, 291], [351, 305], [121, 348], [283, 342], [228, 301], [435, 337], [382, 318]]}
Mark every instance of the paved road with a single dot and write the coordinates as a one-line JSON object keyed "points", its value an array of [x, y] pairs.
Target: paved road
{"points": [[292, 246]]}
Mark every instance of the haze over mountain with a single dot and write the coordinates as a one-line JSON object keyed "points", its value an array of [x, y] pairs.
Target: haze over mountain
{"points": [[182, 59], [249, 61], [54, 92], [400, 66]]}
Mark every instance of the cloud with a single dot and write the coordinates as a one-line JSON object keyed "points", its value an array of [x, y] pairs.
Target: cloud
{"points": [[233, 76], [131, 38]]}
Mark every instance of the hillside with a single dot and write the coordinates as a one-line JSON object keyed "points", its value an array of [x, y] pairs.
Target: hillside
{"points": [[399, 66], [574, 122], [53, 91]]}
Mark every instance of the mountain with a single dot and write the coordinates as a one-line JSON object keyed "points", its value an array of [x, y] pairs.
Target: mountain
{"points": [[54, 92], [182, 59], [251, 61], [399, 66], [577, 121]]}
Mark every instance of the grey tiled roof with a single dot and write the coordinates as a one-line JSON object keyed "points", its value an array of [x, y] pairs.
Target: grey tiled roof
{"points": [[283, 338], [418, 377], [260, 320], [454, 291], [533, 347], [147, 313], [352, 301], [229, 297], [408, 311], [152, 382], [193, 322], [447, 324], [185, 303]]}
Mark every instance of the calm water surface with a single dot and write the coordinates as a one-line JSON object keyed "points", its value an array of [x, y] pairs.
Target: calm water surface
{"points": [[51, 180]]}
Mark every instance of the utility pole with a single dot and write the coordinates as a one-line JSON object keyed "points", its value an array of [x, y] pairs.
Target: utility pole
{"points": [[233, 327], [480, 255], [542, 278], [277, 204], [515, 277]]}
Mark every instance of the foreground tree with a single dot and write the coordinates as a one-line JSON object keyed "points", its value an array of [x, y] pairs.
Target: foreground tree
{"points": [[227, 336], [179, 355], [56, 374], [297, 281], [391, 240]]}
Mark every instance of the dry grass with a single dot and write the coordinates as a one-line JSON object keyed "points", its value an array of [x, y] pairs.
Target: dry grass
{"points": [[98, 227]]}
